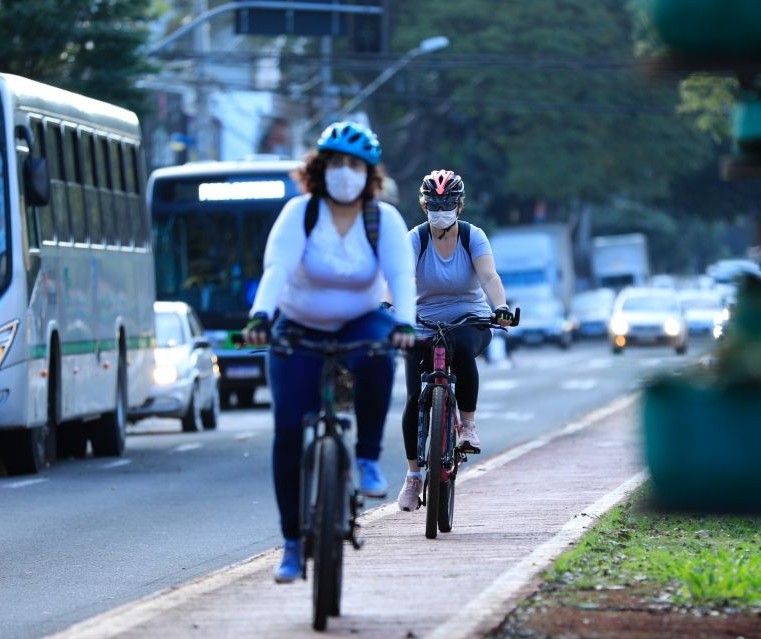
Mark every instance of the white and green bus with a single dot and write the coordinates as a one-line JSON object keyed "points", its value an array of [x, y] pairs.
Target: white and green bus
{"points": [[76, 275], [210, 225]]}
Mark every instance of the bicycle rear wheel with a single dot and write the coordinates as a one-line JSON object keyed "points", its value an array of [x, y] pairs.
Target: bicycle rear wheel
{"points": [[328, 538], [437, 417]]}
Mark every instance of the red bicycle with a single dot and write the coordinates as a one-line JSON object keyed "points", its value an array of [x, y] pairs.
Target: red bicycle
{"points": [[437, 451]]}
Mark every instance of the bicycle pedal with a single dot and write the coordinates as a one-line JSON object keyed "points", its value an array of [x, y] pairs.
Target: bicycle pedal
{"points": [[467, 448]]}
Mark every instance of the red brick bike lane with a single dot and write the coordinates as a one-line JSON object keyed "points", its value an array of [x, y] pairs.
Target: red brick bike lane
{"points": [[514, 513]]}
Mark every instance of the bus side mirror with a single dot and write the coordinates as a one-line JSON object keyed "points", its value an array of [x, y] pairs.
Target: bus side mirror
{"points": [[36, 181]]}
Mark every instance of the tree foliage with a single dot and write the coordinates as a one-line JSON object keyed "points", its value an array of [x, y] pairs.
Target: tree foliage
{"points": [[88, 46], [547, 103]]}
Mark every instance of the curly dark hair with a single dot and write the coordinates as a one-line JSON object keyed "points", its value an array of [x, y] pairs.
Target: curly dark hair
{"points": [[313, 176]]}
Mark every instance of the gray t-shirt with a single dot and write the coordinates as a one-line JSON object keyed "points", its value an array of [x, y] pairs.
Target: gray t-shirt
{"points": [[447, 288]]}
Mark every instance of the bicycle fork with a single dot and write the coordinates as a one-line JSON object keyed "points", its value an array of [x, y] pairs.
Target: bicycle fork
{"points": [[429, 381]]}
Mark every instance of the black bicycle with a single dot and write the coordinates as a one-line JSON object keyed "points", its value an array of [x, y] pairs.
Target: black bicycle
{"points": [[437, 451], [330, 501]]}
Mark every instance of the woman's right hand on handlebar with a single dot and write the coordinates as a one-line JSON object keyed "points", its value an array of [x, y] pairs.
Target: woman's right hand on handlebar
{"points": [[257, 331]]}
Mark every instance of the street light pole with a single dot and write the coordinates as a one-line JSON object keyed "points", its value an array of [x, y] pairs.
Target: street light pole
{"points": [[428, 45]]}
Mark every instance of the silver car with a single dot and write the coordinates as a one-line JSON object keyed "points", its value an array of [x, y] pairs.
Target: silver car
{"points": [[647, 316], [186, 373]]}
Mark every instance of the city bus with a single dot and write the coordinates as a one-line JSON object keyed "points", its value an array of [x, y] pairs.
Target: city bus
{"points": [[210, 224], [76, 275]]}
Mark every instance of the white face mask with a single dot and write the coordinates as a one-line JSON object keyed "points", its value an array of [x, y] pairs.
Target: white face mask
{"points": [[442, 219], [344, 184]]}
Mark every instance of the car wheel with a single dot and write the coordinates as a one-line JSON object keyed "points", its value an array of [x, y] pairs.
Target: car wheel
{"points": [[681, 349], [617, 350], [191, 421], [210, 416]]}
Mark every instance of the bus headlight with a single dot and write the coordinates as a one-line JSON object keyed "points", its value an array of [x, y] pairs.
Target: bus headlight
{"points": [[672, 327], [619, 325], [7, 334]]}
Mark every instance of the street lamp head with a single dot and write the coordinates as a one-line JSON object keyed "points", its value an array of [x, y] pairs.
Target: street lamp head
{"points": [[433, 44]]}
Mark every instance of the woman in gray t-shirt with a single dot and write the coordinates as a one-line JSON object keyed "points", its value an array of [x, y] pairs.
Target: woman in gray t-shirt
{"points": [[455, 276]]}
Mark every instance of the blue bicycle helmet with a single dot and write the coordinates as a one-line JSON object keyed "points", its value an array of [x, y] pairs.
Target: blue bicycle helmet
{"points": [[351, 138]]}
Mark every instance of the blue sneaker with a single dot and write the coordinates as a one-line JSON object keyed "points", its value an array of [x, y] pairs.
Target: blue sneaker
{"points": [[290, 566], [372, 483]]}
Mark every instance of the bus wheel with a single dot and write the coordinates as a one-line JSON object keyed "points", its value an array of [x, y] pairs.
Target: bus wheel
{"points": [[108, 434], [24, 450]]}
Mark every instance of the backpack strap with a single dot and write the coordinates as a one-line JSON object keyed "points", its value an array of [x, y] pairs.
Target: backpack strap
{"points": [[463, 233], [370, 218], [310, 217]]}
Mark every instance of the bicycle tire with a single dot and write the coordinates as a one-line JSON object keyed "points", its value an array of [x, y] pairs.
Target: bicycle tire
{"points": [[327, 539], [436, 443], [446, 505]]}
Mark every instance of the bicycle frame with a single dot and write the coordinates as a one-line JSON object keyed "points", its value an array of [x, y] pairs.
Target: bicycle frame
{"points": [[440, 376]]}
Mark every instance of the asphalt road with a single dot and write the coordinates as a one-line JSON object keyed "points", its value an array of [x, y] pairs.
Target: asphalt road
{"points": [[85, 536]]}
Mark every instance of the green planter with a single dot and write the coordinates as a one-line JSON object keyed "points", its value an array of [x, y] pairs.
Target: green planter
{"points": [[703, 445]]}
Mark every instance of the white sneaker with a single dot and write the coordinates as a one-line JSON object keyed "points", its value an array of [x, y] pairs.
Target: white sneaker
{"points": [[467, 437], [409, 495]]}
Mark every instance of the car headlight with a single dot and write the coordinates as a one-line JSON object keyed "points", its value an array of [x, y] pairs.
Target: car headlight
{"points": [[619, 325], [164, 375], [672, 327], [7, 333]]}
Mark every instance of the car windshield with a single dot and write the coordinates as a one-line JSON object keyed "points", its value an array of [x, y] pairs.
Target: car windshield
{"points": [[168, 330], [659, 304]]}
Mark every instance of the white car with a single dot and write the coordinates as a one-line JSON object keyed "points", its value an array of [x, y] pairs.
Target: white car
{"points": [[186, 373], [591, 310], [647, 315], [703, 309]]}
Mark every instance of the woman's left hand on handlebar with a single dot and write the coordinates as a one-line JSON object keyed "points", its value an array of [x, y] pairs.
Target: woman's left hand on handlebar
{"points": [[502, 316], [403, 336]]}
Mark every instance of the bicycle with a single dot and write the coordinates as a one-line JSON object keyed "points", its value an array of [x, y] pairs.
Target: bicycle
{"points": [[330, 502], [437, 451]]}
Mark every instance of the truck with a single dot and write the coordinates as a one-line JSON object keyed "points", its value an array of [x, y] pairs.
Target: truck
{"points": [[620, 260], [535, 261]]}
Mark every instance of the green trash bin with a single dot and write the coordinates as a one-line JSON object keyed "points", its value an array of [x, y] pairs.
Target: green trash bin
{"points": [[703, 444]]}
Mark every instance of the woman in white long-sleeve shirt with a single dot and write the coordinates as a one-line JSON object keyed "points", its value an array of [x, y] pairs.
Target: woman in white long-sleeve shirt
{"points": [[327, 274]]}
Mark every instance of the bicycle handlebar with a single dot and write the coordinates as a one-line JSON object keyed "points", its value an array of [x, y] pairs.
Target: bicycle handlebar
{"points": [[469, 320]]}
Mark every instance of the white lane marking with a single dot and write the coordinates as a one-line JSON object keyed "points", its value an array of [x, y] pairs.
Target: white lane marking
{"points": [[25, 482], [182, 448], [499, 384], [122, 619], [579, 384], [490, 605], [116, 464]]}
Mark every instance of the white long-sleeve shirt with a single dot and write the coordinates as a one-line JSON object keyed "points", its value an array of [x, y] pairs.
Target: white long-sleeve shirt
{"points": [[327, 279]]}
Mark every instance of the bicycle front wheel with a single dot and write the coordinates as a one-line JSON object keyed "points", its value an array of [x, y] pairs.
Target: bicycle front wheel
{"points": [[328, 538], [437, 419]]}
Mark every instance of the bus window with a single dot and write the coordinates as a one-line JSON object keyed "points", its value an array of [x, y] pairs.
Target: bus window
{"points": [[121, 206], [140, 222], [73, 171], [90, 179], [106, 186], [57, 184], [38, 150]]}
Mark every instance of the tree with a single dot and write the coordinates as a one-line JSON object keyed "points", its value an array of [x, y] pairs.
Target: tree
{"points": [[542, 100], [88, 46]]}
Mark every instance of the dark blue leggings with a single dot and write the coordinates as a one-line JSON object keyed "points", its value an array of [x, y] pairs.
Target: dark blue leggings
{"points": [[294, 382]]}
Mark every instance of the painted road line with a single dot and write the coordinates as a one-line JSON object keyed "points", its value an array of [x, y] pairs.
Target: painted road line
{"points": [[24, 483]]}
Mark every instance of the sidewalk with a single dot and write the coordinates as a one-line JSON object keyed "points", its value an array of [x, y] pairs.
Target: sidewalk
{"points": [[514, 514]]}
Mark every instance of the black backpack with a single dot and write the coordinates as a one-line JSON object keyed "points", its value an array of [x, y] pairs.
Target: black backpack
{"points": [[424, 233], [370, 217]]}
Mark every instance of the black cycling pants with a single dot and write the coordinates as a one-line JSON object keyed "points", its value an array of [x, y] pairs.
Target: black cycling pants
{"points": [[466, 344]]}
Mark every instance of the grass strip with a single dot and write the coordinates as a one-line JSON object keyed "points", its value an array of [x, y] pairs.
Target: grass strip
{"points": [[697, 560]]}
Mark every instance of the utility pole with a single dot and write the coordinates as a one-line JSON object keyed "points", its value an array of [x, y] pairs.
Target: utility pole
{"points": [[202, 126]]}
